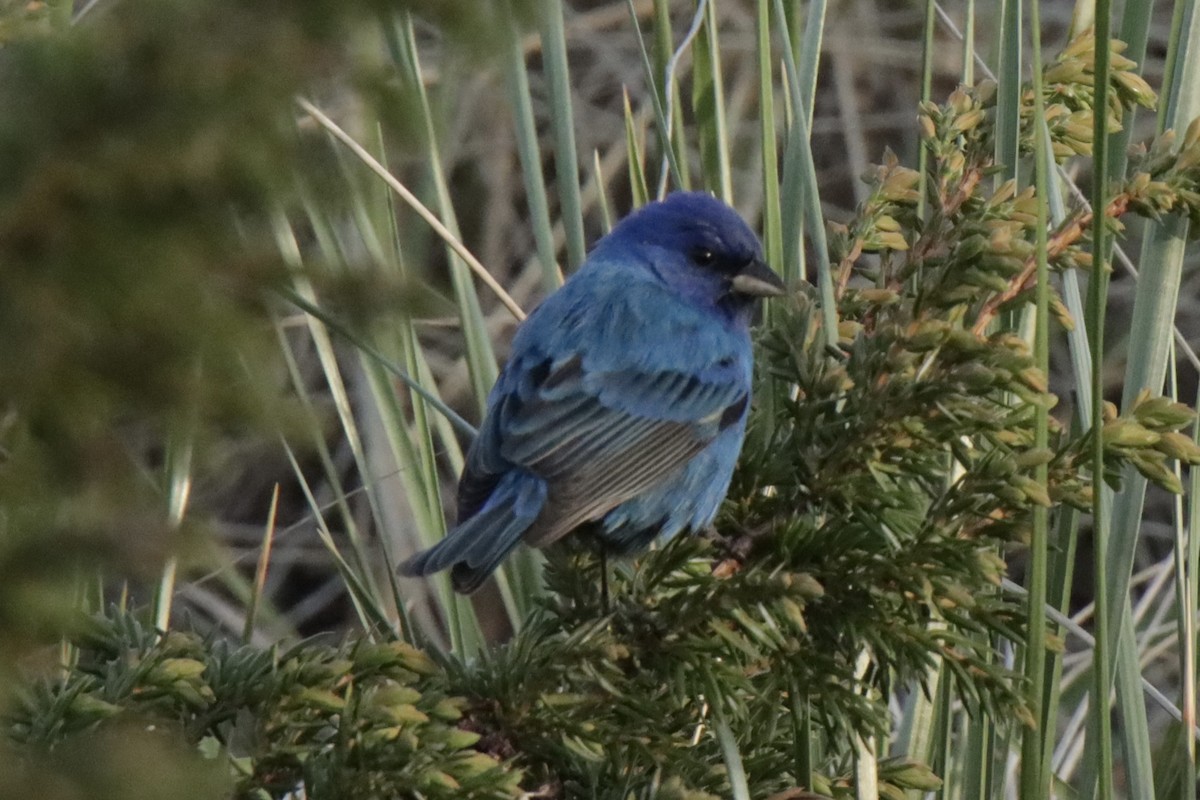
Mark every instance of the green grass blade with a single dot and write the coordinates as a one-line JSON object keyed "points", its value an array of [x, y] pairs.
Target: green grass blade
{"points": [[772, 220], [665, 62], [1008, 90], [1152, 325], [411, 445], [1182, 610], [481, 359], [530, 154], [808, 60], [1177, 69], [260, 568], [340, 394], [918, 733], [1035, 774], [1135, 33], [652, 80], [606, 217], [562, 120], [417, 385], [371, 615], [968, 42], [1060, 578], [1066, 540], [357, 577], [796, 191], [1131, 703], [928, 44], [416, 374], [802, 733], [1106, 644], [443, 232], [945, 746], [801, 171], [864, 746], [179, 489], [979, 759], [730, 753], [793, 190], [637, 169], [372, 209], [708, 108], [1151, 330], [1188, 580]]}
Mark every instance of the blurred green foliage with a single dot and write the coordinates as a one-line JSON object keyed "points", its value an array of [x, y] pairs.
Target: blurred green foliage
{"points": [[343, 721], [120, 762], [131, 150], [142, 152], [142, 155]]}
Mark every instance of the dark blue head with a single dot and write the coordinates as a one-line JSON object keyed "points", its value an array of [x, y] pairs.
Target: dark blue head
{"points": [[700, 247]]}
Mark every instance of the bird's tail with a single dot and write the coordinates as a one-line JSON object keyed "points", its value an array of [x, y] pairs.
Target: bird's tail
{"points": [[477, 545]]}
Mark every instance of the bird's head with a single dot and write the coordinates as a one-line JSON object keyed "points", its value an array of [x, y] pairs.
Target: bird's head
{"points": [[698, 246]]}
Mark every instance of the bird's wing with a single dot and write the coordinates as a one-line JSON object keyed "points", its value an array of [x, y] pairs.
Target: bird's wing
{"points": [[597, 437]]}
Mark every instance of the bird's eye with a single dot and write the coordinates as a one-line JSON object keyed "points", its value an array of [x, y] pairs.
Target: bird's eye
{"points": [[704, 257]]}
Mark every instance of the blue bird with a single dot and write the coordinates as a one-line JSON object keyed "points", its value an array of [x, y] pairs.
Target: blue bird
{"points": [[624, 401]]}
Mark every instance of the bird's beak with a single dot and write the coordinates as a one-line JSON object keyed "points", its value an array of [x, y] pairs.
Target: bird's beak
{"points": [[756, 279]]}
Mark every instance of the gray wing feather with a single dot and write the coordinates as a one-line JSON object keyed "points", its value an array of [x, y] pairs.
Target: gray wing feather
{"points": [[570, 430]]}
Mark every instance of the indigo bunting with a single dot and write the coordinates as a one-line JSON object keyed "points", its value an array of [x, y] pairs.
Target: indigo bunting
{"points": [[624, 401]]}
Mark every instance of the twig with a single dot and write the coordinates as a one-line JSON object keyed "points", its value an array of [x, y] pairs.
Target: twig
{"points": [[399, 188], [1066, 236]]}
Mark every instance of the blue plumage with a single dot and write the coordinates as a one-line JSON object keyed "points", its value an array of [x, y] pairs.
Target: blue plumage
{"points": [[624, 401]]}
